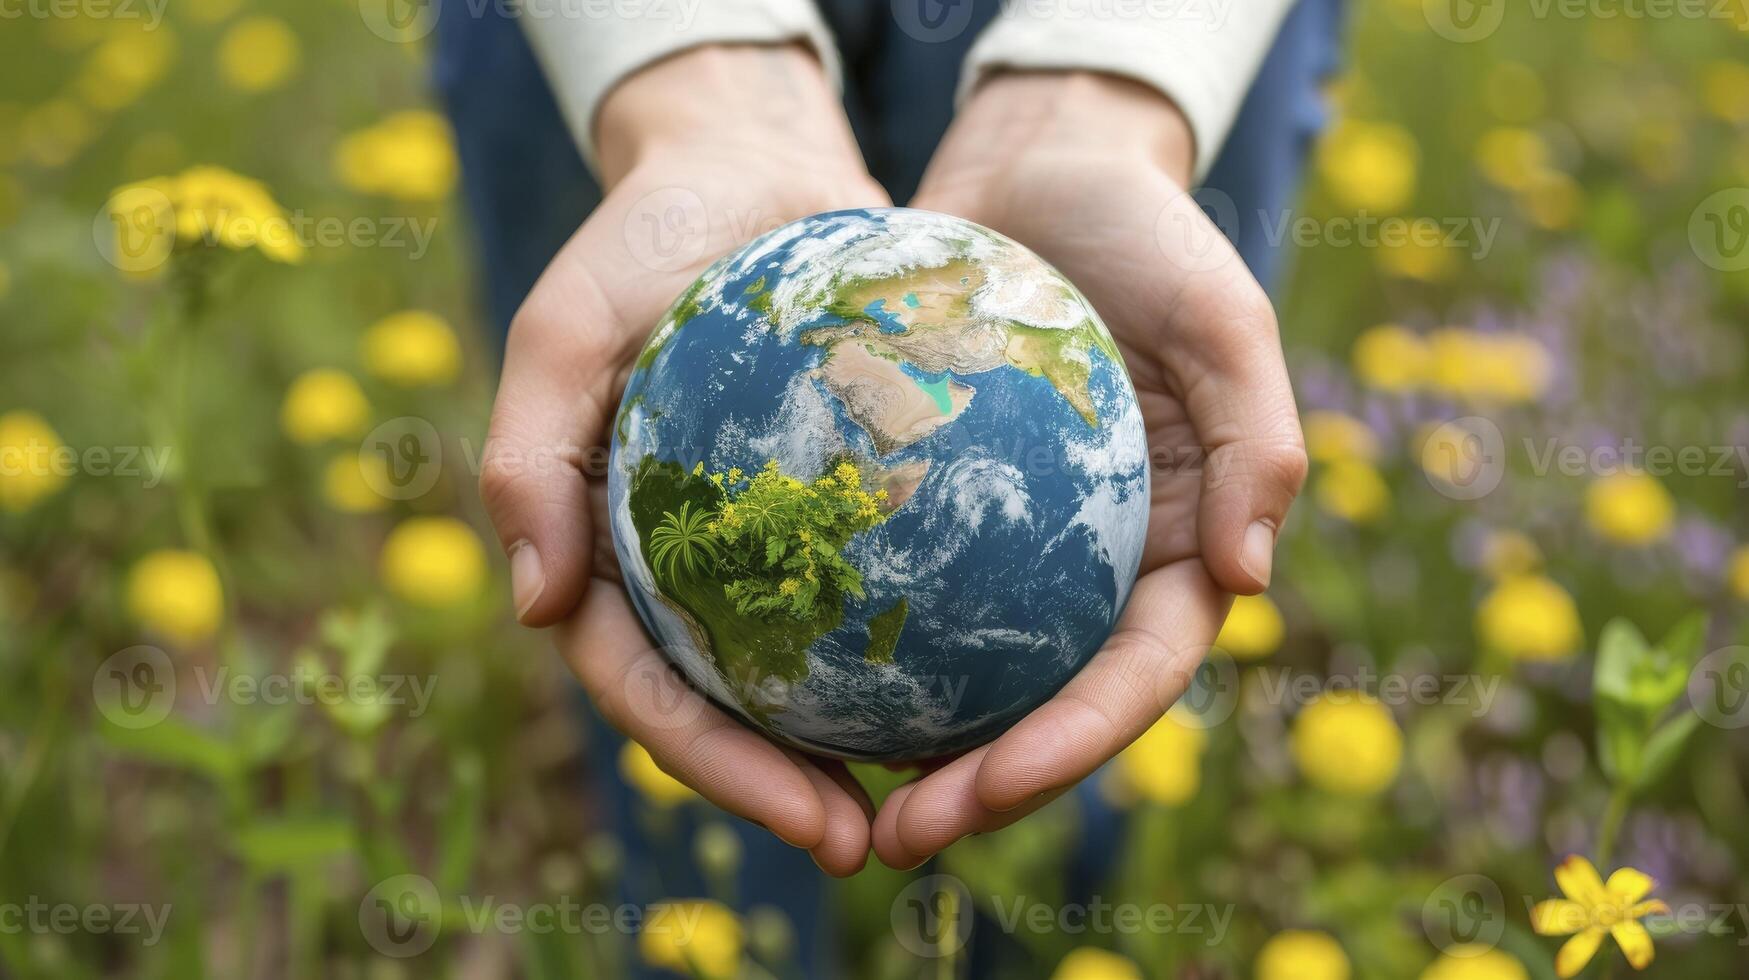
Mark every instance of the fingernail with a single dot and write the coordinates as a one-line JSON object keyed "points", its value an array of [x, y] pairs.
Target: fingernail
{"points": [[526, 578], [1258, 553]]}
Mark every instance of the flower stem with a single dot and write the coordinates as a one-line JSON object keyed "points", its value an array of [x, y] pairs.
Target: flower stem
{"points": [[1607, 831]]}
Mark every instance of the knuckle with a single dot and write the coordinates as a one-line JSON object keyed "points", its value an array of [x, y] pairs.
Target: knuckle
{"points": [[500, 480], [1284, 463], [1278, 461]]}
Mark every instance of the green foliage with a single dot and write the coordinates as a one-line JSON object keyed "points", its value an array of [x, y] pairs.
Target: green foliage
{"points": [[783, 540], [1635, 685], [775, 543], [683, 540]]}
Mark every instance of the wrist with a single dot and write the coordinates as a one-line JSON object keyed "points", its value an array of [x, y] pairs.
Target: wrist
{"points": [[728, 101], [1014, 115]]}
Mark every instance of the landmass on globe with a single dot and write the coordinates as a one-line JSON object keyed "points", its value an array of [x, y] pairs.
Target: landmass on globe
{"points": [[812, 491]]}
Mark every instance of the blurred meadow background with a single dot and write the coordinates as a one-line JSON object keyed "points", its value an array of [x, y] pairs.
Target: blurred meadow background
{"points": [[252, 670]]}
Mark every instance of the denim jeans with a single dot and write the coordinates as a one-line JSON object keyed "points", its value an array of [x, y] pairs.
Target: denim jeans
{"points": [[528, 190]]}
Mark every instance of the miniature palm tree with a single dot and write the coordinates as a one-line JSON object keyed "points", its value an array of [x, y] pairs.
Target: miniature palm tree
{"points": [[683, 540]]}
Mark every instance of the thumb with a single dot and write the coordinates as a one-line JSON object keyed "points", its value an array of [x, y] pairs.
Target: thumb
{"points": [[545, 424], [1243, 410]]}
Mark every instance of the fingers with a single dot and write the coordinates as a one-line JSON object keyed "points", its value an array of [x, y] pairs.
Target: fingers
{"points": [[639, 694], [551, 409], [887, 845], [940, 809], [843, 850], [1242, 407], [1172, 617]]}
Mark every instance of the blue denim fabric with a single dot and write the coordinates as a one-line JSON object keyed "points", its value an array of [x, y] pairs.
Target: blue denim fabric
{"points": [[528, 190]]}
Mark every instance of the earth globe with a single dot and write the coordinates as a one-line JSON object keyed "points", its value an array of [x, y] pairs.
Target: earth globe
{"points": [[878, 483]]}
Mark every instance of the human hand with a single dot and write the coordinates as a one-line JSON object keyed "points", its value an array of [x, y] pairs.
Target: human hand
{"points": [[1089, 171], [700, 153]]}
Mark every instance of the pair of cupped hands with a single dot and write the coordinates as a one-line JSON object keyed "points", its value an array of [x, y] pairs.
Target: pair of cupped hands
{"points": [[1088, 171]]}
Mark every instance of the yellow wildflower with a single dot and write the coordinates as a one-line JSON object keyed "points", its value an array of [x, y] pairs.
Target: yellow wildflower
{"points": [[640, 771], [258, 54], [1352, 491], [348, 487], [412, 348], [1724, 89], [200, 206], [1163, 766], [1552, 199], [1302, 954], [1369, 166], [1487, 367], [1740, 573], [1472, 961], [1511, 156], [124, 66], [1509, 553], [698, 938], [409, 155], [434, 561], [1419, 259], [1093, 963], [322, 404], [177, 594], [1253, 628], [1629, 508], [1594, 907], [1333, 436], [789, 586], [33, 461], [1348, 744], [735, 474], [1530, 618], [1391, 358]]}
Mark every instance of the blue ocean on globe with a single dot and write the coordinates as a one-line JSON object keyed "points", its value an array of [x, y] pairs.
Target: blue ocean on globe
{"points": [[878, 483]]}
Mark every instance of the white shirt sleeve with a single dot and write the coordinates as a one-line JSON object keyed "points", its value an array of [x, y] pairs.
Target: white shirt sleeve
{"points": [[587, 49], [1202, 55]]}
